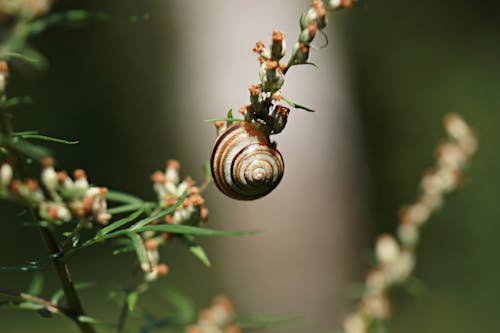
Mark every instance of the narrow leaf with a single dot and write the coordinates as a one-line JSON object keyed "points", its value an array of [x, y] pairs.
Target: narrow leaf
{"points": [[213, 120], [14, 101], [48, 138], [123, 197], [125, 249], [139, 249], [155, 217], [28, 267], [125, 208], [56, 297], [36, 285], [185, 311], [297, 106], [195, 231], [207, 170], [34, 151], [132, 299], [121, 222], [34, 58], [196, 249]]}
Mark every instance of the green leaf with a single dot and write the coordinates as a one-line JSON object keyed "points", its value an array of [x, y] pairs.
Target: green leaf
{"points": [[213, 120], [195, 231], [195, 249], [87, 319], [297, 106], [34, 58], [123, 197], [229, 116], [48, 138], [207, 170], [139, 249], [184, 309], [121, 222], [67, 17], [15, 101], [78, 16], [307, 63], [20, 305], [29, 149], [125, 249], [36, 285], [56, 297], [132, 299], [25, 268], [126, 208], [155, 217]]}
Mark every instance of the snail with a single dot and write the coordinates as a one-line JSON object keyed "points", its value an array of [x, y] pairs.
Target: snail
{"points": [[245, 166]]}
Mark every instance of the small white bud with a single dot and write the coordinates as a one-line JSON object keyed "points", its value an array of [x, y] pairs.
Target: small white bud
{"points": [[177, 218], [333, 4], [81, 183], [92, 192], [408, 233], [376, 306], [399, 270], [308, 18], [6, 174], [171, 188], [63, 214], [49, 178], [182, 187], [172, 175], [354, 323], [386, 249]]}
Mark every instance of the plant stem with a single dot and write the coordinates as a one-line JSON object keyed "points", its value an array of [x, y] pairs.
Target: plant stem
{"points": [[54, 308], [74, 304], [123, 317]]}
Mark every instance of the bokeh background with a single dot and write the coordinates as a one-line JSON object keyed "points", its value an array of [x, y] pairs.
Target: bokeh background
{"points": [[135, 95]]}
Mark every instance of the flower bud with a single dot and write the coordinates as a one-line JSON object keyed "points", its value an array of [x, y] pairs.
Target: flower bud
{"points": [[355, 324], [386, 249], [334, 4], [6, 174], [278, 45], [280, 116]]}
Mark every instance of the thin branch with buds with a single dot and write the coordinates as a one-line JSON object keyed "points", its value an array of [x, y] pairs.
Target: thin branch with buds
{"points": [[396, 255]]}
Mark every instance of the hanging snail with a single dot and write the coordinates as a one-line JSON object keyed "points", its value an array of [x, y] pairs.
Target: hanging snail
{"points": [[245, 166]]}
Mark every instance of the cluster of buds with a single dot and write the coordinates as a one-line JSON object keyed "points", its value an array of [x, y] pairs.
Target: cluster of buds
{"points": [[23, 8], [262, 110], [192, 211], [396, 256], [61, 198], [218, 318]]}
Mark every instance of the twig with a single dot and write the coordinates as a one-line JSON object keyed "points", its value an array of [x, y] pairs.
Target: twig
{"points": [[54, 308], [74, 304]]}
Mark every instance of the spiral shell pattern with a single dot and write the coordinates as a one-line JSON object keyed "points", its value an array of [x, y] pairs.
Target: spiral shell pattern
{"points": [[244, 164]]}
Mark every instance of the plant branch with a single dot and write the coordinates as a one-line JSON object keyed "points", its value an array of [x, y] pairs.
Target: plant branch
{"points": [[54, 308], [74, 303]]}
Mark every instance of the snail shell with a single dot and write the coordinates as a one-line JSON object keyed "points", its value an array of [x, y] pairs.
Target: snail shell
{"points": [[244, 164]]}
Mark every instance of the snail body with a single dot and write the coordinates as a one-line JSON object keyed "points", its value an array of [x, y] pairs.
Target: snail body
{"points": [[245, 166]]}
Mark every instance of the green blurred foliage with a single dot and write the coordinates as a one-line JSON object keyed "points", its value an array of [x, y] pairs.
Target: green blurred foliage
{"points": [[414, 62]]}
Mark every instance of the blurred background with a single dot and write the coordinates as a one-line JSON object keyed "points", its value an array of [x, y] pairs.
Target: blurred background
{"points": [[135, 95]]}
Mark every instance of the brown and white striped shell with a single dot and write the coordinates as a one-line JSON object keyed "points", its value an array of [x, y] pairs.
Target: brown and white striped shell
{"points": [[245, 166]]}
